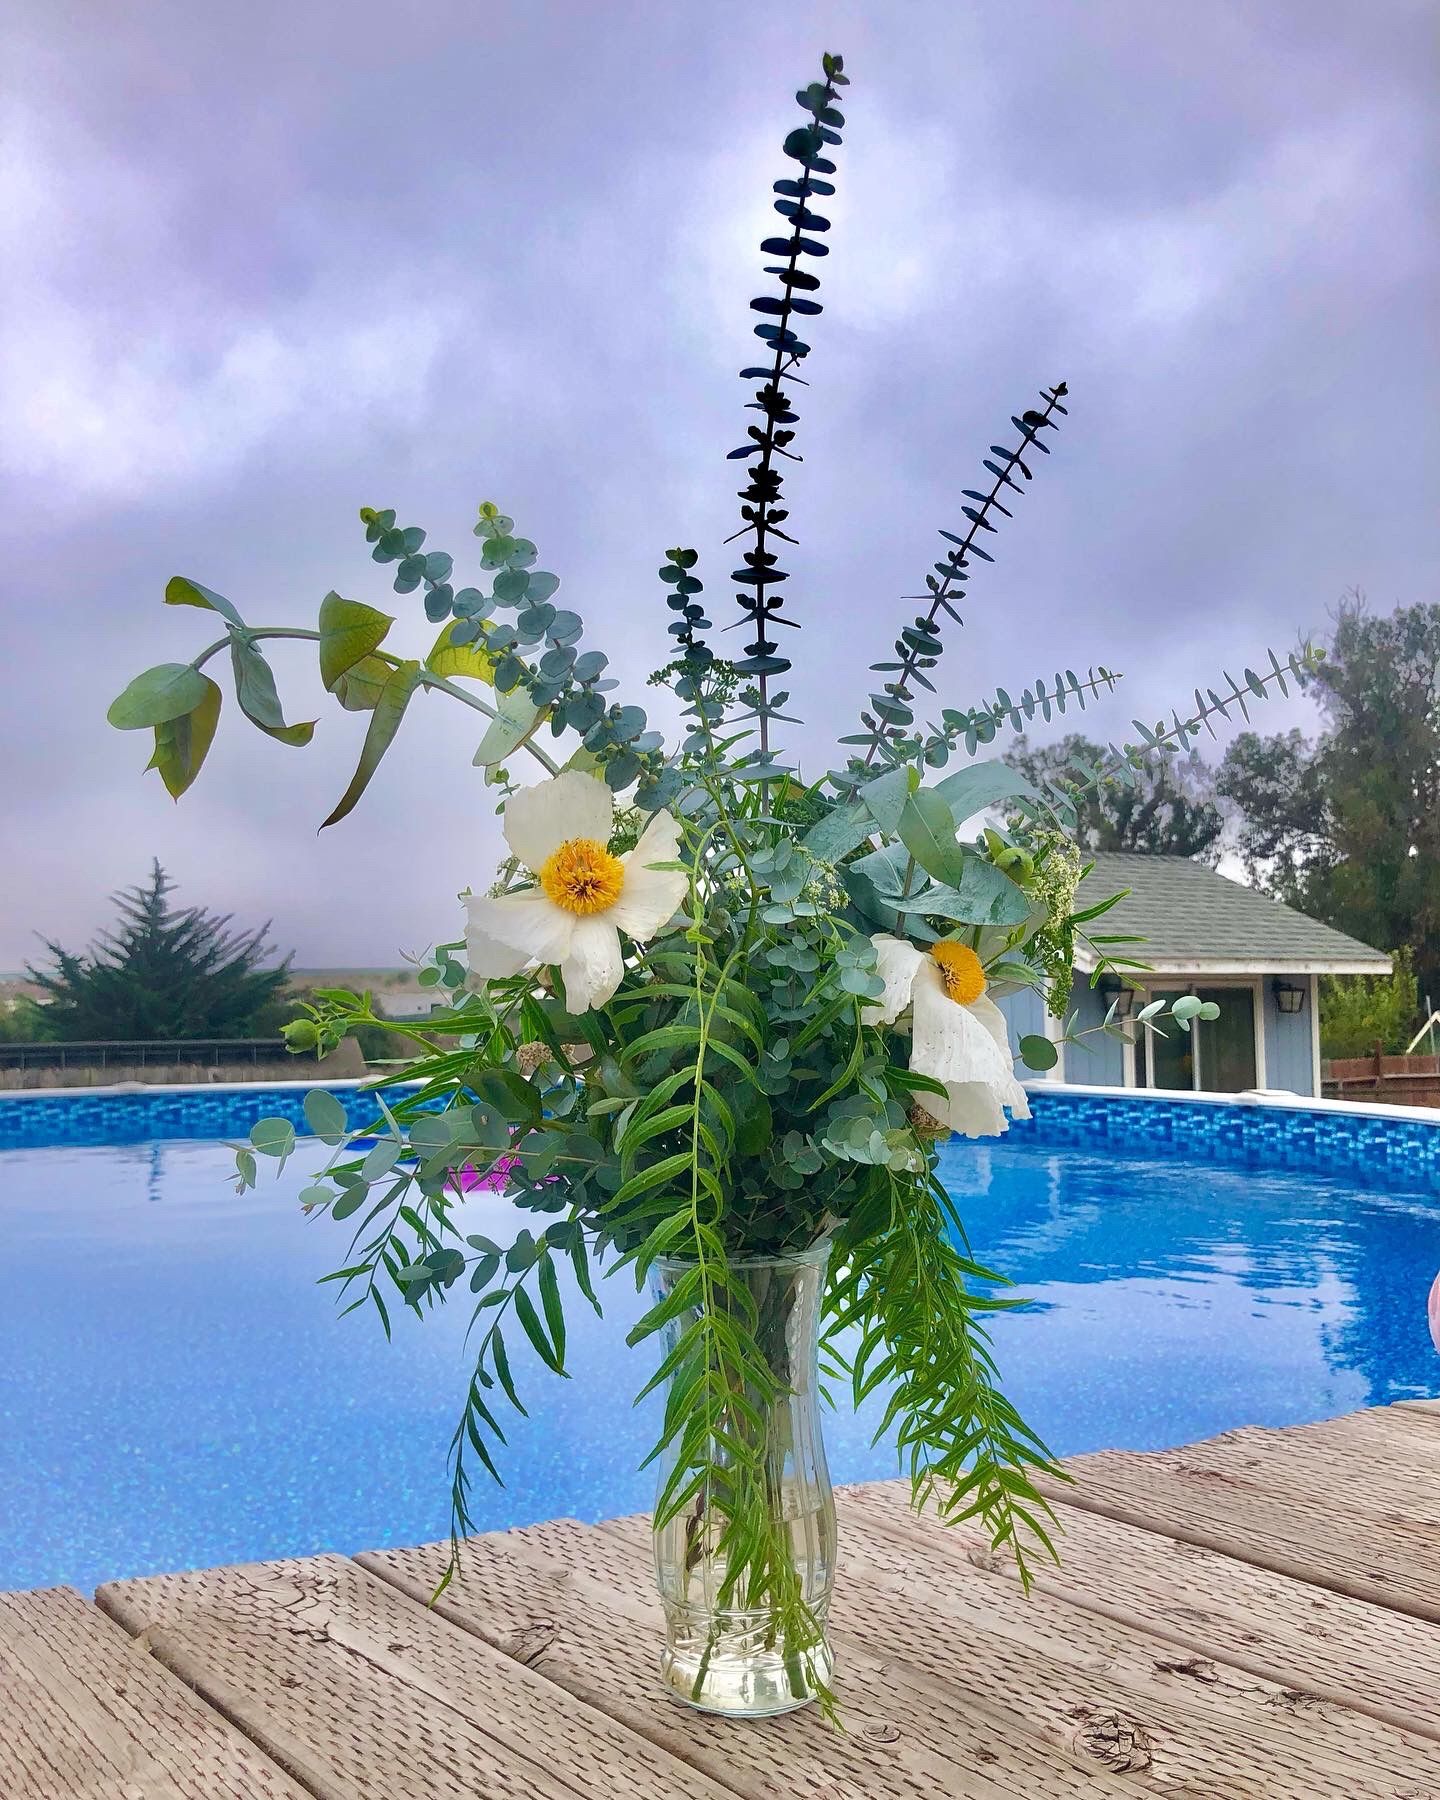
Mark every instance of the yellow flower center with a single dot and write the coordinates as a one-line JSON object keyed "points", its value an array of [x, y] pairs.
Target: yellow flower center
{"points": [[960, 971], [582, 877]]}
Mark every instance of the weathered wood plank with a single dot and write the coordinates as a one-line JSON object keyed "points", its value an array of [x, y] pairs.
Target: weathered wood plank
{"points": [[1347, 1651], [361, 1692], [86, 1713], [1291, 1507], [1097, 1688], [1373, 1462], [579, 1605]]}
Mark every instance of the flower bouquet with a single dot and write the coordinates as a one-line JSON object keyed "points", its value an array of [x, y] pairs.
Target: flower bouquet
{"points": [[714, 1016]]}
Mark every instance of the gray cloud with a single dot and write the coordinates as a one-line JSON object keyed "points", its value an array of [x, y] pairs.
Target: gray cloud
{"points": [[269, 264]]}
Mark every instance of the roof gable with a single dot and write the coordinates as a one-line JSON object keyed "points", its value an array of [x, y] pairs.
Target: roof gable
{"points": [[1195, 920]]}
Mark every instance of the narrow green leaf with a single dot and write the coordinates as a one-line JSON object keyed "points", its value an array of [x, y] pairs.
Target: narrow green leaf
{"points": [[530, 1323], [384, 723], [553, 1305]]}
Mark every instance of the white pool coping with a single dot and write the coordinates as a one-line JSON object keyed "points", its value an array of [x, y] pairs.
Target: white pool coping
{"points": [[1279, 1098], [113, 1089]]}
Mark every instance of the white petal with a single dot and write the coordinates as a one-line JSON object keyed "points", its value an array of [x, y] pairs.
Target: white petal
{"points": [[972, 1109], [526, 922], [951, 1044], [489, 959], [967, 1048], [592, 969], [896, 963], [991, 1017], [572, 804], [650, 897]]}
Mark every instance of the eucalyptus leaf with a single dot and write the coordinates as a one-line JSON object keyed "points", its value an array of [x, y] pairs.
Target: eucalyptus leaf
{"points": [[326, 1116], [384, 723], [978, 785], [470, 660], [168, 691], [181, 745], [927, 830], [360, 687], [349, 631], [1038, 1052], [181, 591], [255, 690], [517, 719]]}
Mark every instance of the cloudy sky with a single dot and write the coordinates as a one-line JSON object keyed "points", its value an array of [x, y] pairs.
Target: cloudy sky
{"points": [[264, 264]]}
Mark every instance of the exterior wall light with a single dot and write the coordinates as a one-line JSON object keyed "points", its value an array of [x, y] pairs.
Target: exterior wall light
{"points": [[1289, 996], [1114, 993]]}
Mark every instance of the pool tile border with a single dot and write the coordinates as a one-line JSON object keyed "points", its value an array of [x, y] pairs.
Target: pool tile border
{"points": [[1249, 1131], [1375, 1144]]}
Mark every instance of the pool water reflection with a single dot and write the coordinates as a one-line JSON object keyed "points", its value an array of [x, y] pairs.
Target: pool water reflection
{"points": [[175, 1391]]}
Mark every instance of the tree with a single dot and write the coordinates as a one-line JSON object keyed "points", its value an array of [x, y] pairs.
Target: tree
{"points": [[1357, 1012], [22, 1021], [1349, 828], [163, 972], [1170, 812]]}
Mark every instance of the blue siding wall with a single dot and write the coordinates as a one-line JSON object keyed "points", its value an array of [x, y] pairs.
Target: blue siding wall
{"points": [[1097, 1061], [1100, 1061], [1025, 1015], [1289, 1044]]}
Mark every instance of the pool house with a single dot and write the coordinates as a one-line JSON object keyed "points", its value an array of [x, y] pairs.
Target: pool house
{"points": [[1258, 960]]}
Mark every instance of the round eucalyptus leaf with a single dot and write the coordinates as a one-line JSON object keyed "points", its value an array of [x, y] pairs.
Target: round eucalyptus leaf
{"points": [[512, 585], [543, 585], [1038, 1052]]}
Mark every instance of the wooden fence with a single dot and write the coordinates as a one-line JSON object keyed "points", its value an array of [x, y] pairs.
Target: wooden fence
{"points": [[1396, 1080]]}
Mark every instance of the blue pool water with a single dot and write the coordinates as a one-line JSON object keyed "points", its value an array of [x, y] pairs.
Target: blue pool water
{"points": [[175, 1391]]}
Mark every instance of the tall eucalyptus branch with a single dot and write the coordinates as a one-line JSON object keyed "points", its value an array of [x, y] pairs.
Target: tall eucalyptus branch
{"points": [[919, 646], [771, 439]]}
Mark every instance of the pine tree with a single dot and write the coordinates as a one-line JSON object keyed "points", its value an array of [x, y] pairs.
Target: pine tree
{"points": [[163, 972]]}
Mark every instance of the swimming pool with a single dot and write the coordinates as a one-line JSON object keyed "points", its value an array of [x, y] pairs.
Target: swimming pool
{"points": [[175, 1392]]}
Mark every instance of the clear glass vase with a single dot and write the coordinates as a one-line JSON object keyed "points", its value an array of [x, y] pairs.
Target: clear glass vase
{"points": [[754, 1644]]}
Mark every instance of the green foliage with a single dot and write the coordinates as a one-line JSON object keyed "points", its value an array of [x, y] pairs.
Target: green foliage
{"points": [[1359, 1012], [23, 1022], [1169, 811], [1348, 828], [163, 972]]}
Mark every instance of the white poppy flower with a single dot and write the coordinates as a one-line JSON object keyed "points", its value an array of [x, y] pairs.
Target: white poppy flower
{"points": [[959, 1036], [584, 897]]}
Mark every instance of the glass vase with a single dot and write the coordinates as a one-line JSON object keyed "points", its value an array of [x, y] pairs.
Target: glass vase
{"points": [[754, 1644]]}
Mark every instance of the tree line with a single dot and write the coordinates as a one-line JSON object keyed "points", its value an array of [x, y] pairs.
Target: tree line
{"points": [[1344, 824]]}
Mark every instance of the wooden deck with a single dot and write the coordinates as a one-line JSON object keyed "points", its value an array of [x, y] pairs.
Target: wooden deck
{"points": [[1255, 1616]]}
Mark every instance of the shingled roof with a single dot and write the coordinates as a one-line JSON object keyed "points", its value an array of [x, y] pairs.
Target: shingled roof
{"points": [[1198, 922]]}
